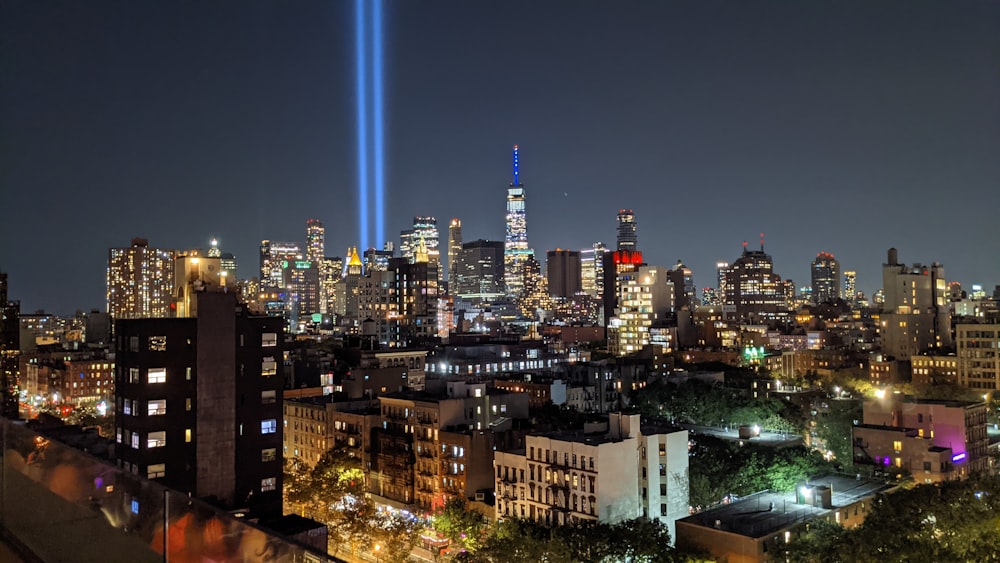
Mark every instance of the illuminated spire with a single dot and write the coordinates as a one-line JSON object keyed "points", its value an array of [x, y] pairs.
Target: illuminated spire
{"points": [[354, 259], [517, 181]]}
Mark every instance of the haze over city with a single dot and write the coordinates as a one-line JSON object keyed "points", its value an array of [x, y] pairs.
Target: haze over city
{"points": [[840, 127]]}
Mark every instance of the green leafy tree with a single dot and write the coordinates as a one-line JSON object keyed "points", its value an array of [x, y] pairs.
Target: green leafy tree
{"points": [[465, 528], [394, 536]]}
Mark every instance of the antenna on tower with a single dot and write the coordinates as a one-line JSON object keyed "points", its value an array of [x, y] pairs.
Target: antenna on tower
{"points": [[516, 181], [762, 242]]}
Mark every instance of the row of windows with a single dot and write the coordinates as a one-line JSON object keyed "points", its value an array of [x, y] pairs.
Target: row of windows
{"points": [[158, 343]]}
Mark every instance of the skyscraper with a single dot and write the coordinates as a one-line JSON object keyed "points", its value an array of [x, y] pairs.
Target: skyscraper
{"points": [[627, 238], [272, 254], [563, 272], [754, 293], [616, 264], [424, 229], [454, 248], [644, 298], [516, 249], [592, 270], [825, 278], [915, 316], [685, 292], [140, 281], [315, 241], [850, 286], [480, 271]]}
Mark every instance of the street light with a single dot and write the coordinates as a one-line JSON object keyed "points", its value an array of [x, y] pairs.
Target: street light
{"points": [[378, 548]]}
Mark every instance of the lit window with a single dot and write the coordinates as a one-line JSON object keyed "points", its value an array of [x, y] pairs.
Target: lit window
{"points": [[155, 471], [133, 375], [269, 426], [268, 367], [158, 343], [135, 440], [268, 397], [156, 375], [268, 484], [268, 339], [269, 454], [156, 407], [156, 439]]}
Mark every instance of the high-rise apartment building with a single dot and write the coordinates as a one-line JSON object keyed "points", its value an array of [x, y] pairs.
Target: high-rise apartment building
{"points": [[516, 250], [850, 286], [480, 271], [198, 403], [915, 314], [685, 292], [10, 347], [300, 279], [615, 264], [645, 297], [627, 239], [140, 281], [352, 280], [563, 272], [825, 274], [454, 248], [592, 270], [315, 240], [754, 293]]}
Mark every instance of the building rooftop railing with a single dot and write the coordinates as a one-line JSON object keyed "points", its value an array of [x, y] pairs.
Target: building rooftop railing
{"points": [[60, 504]]}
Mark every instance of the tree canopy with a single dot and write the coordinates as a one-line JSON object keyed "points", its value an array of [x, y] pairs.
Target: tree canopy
{"points": [[948, 521]]}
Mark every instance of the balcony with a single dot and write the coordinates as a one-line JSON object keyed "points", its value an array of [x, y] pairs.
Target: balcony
{"points": [[59, 504]]}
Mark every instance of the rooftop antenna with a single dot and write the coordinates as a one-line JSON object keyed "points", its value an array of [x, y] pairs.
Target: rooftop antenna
{"points": [[762, 242], [517, 182]]}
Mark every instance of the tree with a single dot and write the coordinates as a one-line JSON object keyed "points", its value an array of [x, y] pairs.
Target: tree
{"points": [[394, 535], [948, 521], [835, 429], [464, 527]]}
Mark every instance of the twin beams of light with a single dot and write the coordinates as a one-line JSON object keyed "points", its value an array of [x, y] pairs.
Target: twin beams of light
{"points": [[371, 142]]}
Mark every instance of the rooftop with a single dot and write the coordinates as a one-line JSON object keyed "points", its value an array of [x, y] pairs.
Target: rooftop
{"points": [[767, 512]]}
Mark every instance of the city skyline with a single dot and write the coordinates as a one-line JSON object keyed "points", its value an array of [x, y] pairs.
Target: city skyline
{"points": [[831, 128]]}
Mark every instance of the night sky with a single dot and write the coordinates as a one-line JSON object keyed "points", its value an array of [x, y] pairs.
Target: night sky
{"points": [[846, 127]]}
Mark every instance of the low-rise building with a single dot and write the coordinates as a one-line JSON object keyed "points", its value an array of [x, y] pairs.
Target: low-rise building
{"points": [[541, 390], [755, 529], [625, 471], [935, 440]]}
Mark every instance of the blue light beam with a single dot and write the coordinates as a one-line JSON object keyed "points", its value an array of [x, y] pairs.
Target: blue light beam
{"points": [[362, 93], [378, 122]]}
